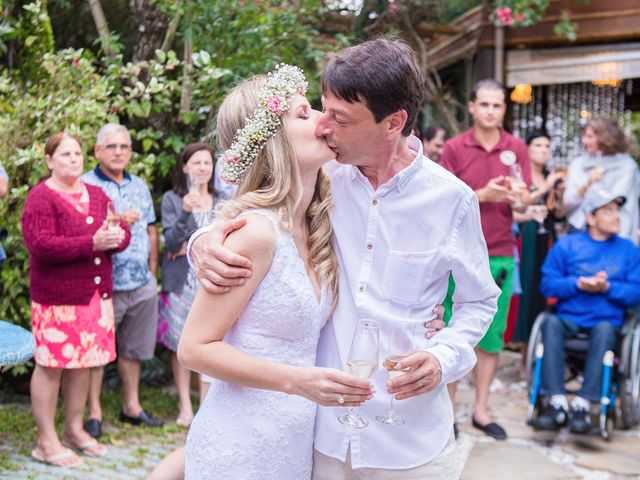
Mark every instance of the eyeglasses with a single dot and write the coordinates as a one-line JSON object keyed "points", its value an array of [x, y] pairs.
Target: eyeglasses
{"points": [[114, 146]]}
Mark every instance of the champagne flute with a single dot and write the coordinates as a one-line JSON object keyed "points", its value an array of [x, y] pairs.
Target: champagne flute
{"points": [[539, 213], [401, 345], [193, 186], [362, 362], [113, 219]]}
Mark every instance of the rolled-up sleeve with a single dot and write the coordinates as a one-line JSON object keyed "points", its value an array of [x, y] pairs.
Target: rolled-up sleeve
{"points": [[475, 297]]}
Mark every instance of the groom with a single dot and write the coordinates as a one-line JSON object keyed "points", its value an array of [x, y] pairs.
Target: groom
{"points": [[401, 223]]}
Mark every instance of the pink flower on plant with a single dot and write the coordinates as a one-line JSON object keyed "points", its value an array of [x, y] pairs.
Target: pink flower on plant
{"points": [[275, 104], [393, 7], [519, 17], [504, 17]]}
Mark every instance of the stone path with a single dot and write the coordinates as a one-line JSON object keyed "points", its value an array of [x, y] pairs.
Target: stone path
{"points": [[537, 455], [525, 455]]}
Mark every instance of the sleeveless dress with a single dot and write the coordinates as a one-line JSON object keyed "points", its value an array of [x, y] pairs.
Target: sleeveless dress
{"points": [[252, 434]]}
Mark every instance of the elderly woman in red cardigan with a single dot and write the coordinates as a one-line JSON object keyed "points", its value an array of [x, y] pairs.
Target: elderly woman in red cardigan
{"points": [[66, 231]]}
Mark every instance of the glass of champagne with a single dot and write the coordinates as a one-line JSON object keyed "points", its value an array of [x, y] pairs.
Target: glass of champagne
{"points": [[401, 345], [193, 185], [362, 362], [539, 213], [113, 219]]}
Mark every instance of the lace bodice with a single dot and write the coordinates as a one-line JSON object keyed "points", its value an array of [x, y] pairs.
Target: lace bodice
{"points": [[241, 432]]}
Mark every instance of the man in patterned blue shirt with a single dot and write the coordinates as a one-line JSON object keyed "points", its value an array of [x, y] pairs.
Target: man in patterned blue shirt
{"points": [[134, 269]]}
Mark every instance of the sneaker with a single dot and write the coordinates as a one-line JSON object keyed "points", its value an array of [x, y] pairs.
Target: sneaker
{"points": [[552, 418], [580, 421]]}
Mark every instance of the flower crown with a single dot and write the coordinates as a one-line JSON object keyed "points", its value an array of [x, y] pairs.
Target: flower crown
{"points": [[281, 84]]}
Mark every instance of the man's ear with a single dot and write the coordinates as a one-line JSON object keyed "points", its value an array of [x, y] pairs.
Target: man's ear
{"points": [[396, 122], [591, 219]]}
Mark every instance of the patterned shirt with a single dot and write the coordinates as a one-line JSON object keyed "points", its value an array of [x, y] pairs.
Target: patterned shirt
{"points": [[3, 173], [131, 267]]}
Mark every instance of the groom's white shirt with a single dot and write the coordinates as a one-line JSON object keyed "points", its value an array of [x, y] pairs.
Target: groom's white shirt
{"points": [[396, 246]]}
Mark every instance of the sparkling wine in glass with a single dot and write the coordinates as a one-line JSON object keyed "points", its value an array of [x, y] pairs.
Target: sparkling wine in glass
{"points": [[113, 219], [362, 362], [539, 213], [401, 345]]}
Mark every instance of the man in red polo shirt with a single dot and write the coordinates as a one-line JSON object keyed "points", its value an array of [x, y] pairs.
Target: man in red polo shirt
{"points": [[496, 166]]}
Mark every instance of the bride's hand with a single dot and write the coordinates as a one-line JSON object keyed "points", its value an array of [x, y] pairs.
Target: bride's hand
{"points": [[332, 388]]}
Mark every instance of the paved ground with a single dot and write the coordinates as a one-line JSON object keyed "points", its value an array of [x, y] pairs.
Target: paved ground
{"points": [[525, 455]]}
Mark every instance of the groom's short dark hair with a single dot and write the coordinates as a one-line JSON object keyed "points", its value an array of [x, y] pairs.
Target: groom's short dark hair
{"points": [[382, 73]]}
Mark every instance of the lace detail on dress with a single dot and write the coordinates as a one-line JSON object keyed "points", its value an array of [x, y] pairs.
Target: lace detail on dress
{"points": [[246, 433]]}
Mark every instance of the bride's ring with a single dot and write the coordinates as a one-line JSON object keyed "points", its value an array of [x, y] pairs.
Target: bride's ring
{"points": [[341, 399]]}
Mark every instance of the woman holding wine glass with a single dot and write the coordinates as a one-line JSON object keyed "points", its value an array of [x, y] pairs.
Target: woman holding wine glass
{"points": [[184, 209], [538, 227], [607, 164], [259, 340], [70, 243]]}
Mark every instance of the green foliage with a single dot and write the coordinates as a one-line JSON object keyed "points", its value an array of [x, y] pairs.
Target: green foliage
{"points": [[37, 38], [79, 92]]}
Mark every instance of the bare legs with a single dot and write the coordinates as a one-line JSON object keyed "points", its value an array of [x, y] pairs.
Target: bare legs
{"points": [[484, 372], [95, 390], [182, 378], [170, 468], [45, 385], [129, 371]]}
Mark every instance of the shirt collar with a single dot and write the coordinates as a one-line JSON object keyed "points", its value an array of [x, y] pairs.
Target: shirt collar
{"points": [[401, 178], [102, 176], [469, 140]]}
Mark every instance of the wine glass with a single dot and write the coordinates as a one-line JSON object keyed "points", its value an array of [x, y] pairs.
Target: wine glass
{"points": [[113, 219], [539, 213], [193, 186], [401, 345], [362, 362]]}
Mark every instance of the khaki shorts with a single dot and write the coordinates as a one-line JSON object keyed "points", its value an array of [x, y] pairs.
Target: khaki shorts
{"points": [[443, 467], [136, 316]]}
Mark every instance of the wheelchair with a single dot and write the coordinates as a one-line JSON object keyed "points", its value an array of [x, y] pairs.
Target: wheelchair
{"points": [[620, 390]]}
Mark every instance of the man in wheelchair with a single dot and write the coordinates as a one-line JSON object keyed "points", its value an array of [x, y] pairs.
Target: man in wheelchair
{"points": [[595, 276]]}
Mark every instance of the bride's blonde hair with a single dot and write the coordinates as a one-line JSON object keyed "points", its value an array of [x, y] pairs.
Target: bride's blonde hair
{"points": [[273, 180]]}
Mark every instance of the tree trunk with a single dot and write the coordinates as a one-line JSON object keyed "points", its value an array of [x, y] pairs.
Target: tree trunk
{"points": [[101, 26], [187, 83], [167, 43], [151, 25]]}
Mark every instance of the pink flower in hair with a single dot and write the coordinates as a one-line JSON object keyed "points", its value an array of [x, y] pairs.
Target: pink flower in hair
{"points": [[274, 104]]}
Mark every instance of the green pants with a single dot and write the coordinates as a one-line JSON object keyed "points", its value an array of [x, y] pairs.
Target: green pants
{"points": [[501, 270]]}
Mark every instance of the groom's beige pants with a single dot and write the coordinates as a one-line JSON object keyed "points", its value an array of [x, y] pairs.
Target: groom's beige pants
{"points": [[443, 467]]}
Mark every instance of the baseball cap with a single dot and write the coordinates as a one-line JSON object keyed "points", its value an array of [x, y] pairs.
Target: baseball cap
{"points": [[598, 197]]}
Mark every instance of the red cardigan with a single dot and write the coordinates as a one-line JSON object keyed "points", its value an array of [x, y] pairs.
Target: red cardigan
{"points": [[63, 268]]}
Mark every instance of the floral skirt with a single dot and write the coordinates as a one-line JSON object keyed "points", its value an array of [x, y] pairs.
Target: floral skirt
{"points": [[173, 309], [74, 336]]}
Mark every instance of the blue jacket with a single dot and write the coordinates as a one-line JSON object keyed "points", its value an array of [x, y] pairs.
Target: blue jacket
{"points": [[579, 255]]}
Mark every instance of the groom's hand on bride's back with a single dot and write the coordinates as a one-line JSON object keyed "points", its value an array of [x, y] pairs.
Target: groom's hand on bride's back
{"points": [[217, 267]]}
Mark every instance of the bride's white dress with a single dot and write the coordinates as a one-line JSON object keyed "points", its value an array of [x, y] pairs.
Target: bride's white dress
{"points": [[245, 433]]}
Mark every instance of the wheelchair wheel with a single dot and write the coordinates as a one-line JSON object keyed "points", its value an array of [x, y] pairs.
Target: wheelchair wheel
{"points": [[630, 379], [535, 339]]}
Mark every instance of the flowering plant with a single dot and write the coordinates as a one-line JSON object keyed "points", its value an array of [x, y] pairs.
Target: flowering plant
{"points": [[281, 84]]}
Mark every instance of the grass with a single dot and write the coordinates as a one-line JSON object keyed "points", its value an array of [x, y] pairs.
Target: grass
{"points": [[18, 431]]}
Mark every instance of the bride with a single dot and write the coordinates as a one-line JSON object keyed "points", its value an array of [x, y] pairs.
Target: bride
{"points": [[259, 340]]}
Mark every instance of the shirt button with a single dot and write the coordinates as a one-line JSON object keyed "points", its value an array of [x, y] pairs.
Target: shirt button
{"points": [[97, 279], [97, 261], [361, 288], [369, 246], [375, 201], [89, 220], [104, 295]]}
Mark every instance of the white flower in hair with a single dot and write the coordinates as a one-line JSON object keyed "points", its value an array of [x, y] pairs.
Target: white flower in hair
{"points": [[281, 84]]}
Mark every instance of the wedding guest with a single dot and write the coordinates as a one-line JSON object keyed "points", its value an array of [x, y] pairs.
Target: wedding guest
{"points": [[396, 214], [135, 299], [70, 245], [433, 139], [537, 230], [606, 164], [193, 196], [481, 157]]}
